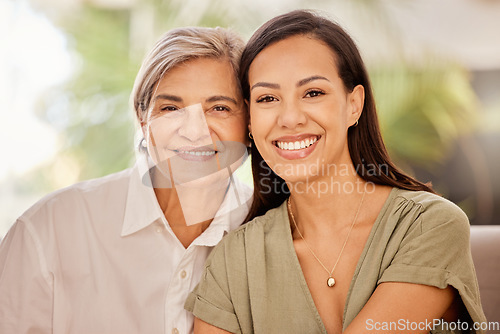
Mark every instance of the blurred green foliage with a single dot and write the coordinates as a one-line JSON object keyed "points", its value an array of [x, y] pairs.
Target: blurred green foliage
{"points": [[423, 110], [100, 131]]}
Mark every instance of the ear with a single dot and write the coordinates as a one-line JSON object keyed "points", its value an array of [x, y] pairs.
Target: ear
{"points": [[356, 100], [144, 128], [249, 119], [146, 133], [247, 107], [249, 136]]}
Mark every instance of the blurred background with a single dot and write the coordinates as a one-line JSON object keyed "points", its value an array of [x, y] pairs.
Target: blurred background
{"points": [[67, 69]]}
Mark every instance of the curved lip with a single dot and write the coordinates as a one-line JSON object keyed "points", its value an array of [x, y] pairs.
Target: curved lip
{"points": [[298, 137], [300, 154], [185, 153], [206, 148]]}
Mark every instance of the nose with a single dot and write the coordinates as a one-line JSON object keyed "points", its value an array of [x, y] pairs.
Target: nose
{"points": [[291, 115], [194, 125]]}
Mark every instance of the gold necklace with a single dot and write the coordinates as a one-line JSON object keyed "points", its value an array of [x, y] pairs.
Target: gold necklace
{"points": [[330, 281]]}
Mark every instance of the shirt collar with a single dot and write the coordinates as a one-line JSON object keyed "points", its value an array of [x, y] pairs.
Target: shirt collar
{"points": [[142, 208], [230, 215]]}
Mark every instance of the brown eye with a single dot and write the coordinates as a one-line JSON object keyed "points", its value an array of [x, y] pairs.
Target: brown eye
{"points": [[219, 110], [314, 93], [169, 108], [266, 99]]}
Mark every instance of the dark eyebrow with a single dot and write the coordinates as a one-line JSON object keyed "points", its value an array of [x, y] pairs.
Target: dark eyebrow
{"points": [[220, 98], [312, 78], [300, 83], [266, 85], [210, 99], [168, 97]]}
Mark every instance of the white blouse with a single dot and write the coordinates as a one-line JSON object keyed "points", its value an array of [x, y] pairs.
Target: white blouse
{"points": [[100, 257]]}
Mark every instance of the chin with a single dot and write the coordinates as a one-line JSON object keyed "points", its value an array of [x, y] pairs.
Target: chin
{"points": [[215, 179]]}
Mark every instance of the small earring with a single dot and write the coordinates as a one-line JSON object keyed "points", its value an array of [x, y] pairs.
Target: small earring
{"points": [[355, 124], [250, 135], [144, 144]]}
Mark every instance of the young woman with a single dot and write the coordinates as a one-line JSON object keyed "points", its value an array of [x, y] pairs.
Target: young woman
{"points": [[347, 243], [120, 254]]}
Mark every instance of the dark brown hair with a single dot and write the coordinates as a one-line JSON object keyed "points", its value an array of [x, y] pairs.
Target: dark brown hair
{"points": [[366, 147]]}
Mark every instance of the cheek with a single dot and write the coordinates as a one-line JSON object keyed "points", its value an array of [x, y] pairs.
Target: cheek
{"points": [[233, 129], [329, 117], [261, 120], [161, 132]]}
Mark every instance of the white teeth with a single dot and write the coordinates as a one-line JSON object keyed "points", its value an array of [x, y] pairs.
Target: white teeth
{"points": [[197, 153], [289, 146]]}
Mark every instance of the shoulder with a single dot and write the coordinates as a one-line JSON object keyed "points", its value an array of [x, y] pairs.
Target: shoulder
{"points": [[427, 219], [68, 199], [427, 201], [431, 209], [260, 226], [251, 237]]}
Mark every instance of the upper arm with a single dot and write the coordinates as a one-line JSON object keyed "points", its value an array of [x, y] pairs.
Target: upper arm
{"points": [[201, 327], [26, 297], [402, 308], [212, 299], [431, 270]]}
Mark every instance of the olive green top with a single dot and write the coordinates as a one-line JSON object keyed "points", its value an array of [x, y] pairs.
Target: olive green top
{"points": [[253, 282]]}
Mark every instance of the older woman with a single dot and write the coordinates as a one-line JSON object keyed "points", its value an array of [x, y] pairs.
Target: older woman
{"points": [[120, 254], [347, 243]]}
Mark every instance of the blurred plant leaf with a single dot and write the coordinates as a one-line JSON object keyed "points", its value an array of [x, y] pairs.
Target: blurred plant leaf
{"points": [[422, 110]]}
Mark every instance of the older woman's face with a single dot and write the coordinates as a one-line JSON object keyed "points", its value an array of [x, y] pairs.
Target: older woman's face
{"points": [[197, 123]]}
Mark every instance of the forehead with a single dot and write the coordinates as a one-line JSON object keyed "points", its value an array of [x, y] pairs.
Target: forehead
{"points": [[202, 76], [296, 56]]}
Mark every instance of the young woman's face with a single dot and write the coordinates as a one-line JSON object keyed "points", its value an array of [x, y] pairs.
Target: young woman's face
{"points": [[197, 123], [300, 110]]}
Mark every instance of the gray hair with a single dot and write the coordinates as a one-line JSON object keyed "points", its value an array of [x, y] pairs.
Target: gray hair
{"points": [[177, 46]]}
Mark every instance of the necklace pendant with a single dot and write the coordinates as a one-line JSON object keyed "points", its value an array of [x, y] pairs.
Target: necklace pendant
{"points": [[330, 281]]}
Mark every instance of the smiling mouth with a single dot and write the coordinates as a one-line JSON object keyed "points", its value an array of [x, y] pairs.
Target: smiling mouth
{"points": [[195, 153], [296, 145], [192, 153]]}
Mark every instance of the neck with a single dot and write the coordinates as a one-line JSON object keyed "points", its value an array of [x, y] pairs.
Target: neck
{"points": [[190, 210], [326, 205]]}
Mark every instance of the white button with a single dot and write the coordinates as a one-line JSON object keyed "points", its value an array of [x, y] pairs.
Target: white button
{"points": [[183, 274], [175, 331], [159, 230]]}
